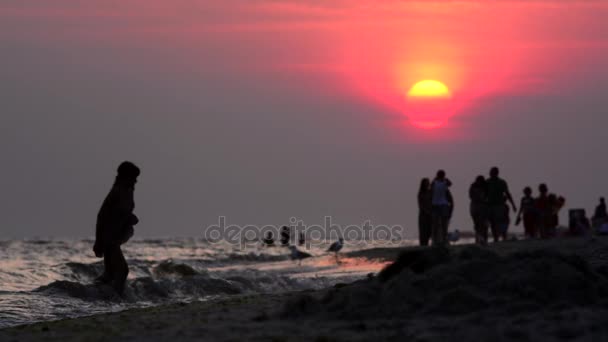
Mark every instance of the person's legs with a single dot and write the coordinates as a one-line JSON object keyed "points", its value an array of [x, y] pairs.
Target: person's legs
{"points": [[445, 225], [484, 229], [479, 235], [108, 273], [424, 229], [428, 228], [436, 225], [495, 212], [529, 226], [119, 267], [504, 228], [477, 223]]}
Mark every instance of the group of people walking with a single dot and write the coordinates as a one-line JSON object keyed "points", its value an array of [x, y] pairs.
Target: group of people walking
{"points": [[490, 206]]}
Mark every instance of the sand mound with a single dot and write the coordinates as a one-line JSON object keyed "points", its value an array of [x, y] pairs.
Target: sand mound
{"points": [[441, 282]]}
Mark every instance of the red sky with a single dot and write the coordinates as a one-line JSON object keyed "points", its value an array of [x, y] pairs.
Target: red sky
{"points": [[372, 49]]}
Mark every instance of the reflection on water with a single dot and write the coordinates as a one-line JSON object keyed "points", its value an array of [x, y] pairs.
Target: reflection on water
{"points": [[52, 279]]}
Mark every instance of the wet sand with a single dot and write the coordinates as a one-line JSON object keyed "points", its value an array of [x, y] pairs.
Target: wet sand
{"points": [[553, 290]]}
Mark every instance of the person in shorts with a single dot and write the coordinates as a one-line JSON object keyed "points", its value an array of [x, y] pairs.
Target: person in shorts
{"points": [[498, 194]]}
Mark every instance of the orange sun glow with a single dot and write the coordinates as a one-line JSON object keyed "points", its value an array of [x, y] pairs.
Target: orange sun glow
{"points": [[429, 104]]}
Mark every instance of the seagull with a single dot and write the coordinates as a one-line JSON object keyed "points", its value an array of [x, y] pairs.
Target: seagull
{"points": [[298, 255], [336, 247]]}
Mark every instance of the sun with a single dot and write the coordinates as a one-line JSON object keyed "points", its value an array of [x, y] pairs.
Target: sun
{"points": [[429, 89], [429, 104]]}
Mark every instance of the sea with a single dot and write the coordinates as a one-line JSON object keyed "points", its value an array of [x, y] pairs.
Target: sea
{"points": [[53, 279]]}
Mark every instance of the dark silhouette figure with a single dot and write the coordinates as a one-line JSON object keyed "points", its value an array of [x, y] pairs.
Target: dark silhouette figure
{"points": [[424, 212], [543, 208], [498, 194], [555, 205], [527, 212], [478, 193], [302, 239], [579, 224], [600, 216], [115, 222], [441, 208], [269, 240], [285, 236]]}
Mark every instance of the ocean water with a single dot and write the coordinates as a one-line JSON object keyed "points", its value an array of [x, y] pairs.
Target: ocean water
{"points": [[43, 280]]}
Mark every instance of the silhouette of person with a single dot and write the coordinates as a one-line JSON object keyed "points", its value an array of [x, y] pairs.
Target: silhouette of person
{"points": [[269, 239], [498, 194], [440, 201], [285, 236], [424, 212], [302, 239], [600, 215], [543, 209], [555, 205], [479, 209], [115, 222], [579, 224], [527, 212]]}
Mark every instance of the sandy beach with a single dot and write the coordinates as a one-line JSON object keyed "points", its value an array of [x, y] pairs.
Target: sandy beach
{"points": [[513, 291]]}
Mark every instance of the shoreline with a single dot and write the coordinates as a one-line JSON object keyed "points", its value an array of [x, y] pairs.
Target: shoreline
{"points": [[268, 316]]}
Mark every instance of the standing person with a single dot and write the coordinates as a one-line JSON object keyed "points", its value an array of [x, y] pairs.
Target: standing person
{"points": [[543, 209], [440, 208], [479, 209], [527, 211], [498, 194], [424, 212], [600, 216], [115, 222]]}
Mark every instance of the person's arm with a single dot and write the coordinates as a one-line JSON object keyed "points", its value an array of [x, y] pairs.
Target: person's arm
{"points": [[520, 212], [509, 197]]}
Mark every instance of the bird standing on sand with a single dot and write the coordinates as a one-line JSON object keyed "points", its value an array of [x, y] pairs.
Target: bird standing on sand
{"points": [[298, 255], [336, 247]]}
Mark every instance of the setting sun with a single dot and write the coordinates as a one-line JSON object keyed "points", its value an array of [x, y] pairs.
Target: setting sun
{"points": [[429, 88]]}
